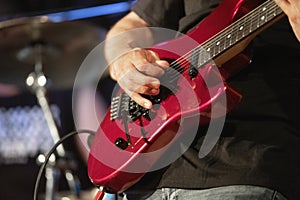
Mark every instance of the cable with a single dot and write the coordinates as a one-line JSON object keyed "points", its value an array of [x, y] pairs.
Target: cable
{"points": [[38, 179]]}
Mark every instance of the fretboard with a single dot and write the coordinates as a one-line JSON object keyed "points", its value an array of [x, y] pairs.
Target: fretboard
{"points": [[237, 31]]}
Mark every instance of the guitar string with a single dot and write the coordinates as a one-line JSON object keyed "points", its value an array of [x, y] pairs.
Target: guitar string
{"points": [[242, 28], [184, 61], [252, 15], [206, 57], [184, 58]]}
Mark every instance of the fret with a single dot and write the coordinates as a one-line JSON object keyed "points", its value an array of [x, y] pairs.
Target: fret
{"points": [[218, 46], [246, 27], [275, 12], [263, 18], [278, 10], [251, 23], [194, 57], [208, 54], [265, 11], [205, 56], [257, 22], [213, 51], [221, 43], [269, 14], [228, 36], [200, 58], [235, 35], [240, 31], [259, 17], [228, 39]]}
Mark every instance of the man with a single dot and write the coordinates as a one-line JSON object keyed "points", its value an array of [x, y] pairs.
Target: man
{"points": [[257, 155]]}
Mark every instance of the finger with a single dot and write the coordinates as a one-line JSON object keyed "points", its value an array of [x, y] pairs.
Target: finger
{"points": [[150, 69], [112, 72], [134, 80], [162, 63], [137, 88], [139, 99], [155, 59], [151, 55], [145, 61], [147, 90], [134, 88]]}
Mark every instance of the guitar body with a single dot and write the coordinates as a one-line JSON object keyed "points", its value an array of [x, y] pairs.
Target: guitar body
{"points": [[116, 167]]}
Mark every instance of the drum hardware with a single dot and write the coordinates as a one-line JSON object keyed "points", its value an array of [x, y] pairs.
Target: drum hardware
{"points": [[64, 47], [36, 81], [50, 48]]}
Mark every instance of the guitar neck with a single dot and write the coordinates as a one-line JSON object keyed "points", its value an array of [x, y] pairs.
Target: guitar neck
{"points": [[247, 26]]}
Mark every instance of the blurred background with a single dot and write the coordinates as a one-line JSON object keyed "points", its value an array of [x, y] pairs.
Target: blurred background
{"points": [[51, 38]]}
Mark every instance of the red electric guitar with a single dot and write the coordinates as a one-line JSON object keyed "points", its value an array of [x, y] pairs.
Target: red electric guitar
{"points": [[132, 140]]}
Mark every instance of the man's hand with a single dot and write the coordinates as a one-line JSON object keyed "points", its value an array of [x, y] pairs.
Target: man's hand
{"points": [[137, 73], [292, 9]]}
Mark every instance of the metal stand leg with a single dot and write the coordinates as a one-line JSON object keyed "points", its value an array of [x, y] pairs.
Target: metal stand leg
{"points": [[52, 176], [36, 82], [73, 183]]}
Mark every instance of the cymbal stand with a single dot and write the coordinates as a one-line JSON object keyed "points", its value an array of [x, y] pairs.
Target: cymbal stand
{"points": [[36, 81]]}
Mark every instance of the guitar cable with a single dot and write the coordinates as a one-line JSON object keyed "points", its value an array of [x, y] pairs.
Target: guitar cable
{"points": [[51, 151]]}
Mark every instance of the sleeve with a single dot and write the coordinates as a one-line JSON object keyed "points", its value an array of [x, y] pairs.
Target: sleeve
{"points": [[162, 13]]}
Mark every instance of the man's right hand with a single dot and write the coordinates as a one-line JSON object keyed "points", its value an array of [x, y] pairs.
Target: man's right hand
{"points": [[137, 72]]}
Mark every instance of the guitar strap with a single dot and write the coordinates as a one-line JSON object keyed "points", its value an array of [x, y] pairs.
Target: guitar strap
{"points": [[99, 195]]}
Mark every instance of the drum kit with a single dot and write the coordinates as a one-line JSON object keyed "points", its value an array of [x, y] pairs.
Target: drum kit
{"points": [[61, 47], [37, 54]]}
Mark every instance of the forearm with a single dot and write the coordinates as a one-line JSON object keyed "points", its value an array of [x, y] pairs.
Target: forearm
{"points": [[129, 22], [131, 64], [126, 35]]}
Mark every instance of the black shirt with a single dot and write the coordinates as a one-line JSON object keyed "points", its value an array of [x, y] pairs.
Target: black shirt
{"points": [[260, 141]]}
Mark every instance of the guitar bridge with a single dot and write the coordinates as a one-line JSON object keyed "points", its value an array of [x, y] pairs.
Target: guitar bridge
{"points": [[123, 104], [118, 105]]}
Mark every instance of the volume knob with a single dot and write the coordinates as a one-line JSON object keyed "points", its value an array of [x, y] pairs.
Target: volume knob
{"points": [[121, 143]]}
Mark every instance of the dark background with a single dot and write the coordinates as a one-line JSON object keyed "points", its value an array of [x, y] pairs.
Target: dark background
{"points": [[17, 180], [20, 8]]}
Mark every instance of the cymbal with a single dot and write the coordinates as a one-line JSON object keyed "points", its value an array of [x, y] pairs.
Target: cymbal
{"points": [[63, 48]]}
